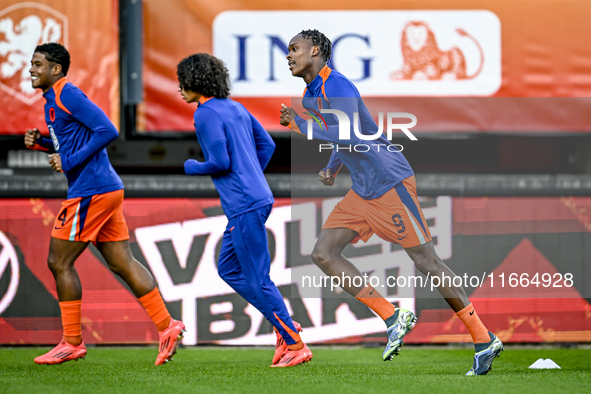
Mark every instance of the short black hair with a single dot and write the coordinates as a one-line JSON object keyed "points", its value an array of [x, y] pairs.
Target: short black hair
{"points": [[320, 40], [204, 74], [55, 53]]}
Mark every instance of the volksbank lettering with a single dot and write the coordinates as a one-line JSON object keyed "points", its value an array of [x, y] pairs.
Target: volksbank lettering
{"points": [[183, 256]]}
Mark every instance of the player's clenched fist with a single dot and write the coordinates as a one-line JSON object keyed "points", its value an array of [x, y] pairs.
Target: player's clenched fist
{"points": [[55, 161], [31, 137], [326, 177], [287, 115]]}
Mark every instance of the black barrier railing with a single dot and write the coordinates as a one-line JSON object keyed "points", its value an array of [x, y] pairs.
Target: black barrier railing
{"points": [[467, 185]]}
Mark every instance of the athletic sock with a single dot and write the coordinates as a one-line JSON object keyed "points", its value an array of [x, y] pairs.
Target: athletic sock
{"points": [[296, 346], [374, 300], [293, 334], [154, 305], [478, 331], [392, 319], [71, 321]]}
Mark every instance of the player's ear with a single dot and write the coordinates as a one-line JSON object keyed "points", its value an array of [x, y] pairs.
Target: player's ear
{"points": [[57, 69], [315, 50]]}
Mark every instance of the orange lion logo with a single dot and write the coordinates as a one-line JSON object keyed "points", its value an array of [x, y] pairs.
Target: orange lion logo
{"points": [[423, 60]]}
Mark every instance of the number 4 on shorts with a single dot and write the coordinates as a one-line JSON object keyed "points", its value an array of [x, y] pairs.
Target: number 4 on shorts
{"points": [[63, 216]]}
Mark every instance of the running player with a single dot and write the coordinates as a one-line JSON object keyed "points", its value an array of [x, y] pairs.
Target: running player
{"points": [[237, 149], [80, 131], [383, 200]]}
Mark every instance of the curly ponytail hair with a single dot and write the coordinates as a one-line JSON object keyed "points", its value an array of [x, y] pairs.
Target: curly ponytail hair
{"points": [[204, 74]]}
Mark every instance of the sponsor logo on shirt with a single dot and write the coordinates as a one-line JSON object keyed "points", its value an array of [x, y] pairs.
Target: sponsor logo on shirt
{"points": [[56, 143]]}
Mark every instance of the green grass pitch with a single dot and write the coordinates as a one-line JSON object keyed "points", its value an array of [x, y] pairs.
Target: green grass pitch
{"points": [[333, 370]]}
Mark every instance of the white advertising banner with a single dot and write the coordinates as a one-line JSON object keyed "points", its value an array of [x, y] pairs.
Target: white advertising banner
{"points": [[229, 320], [385, 53]]}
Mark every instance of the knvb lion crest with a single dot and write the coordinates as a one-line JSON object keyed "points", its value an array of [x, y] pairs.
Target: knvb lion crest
{"points": [[23, 26]]}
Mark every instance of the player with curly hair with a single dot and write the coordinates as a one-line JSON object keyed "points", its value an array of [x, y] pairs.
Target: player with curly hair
{"points": [[237, 149], [80, 132], [383, 200]]}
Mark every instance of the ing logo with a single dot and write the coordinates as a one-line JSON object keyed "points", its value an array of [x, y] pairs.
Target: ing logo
{"points": [[23, 26]]}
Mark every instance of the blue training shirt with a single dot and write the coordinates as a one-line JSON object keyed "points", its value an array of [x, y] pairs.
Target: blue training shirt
{"points": [[373, 172], [237, 149], [80, 132]]}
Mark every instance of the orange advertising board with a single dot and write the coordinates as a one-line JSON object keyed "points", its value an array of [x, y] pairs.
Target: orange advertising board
{"points": [[523, 287], [90, 33], [469, 48], [477, 48]]}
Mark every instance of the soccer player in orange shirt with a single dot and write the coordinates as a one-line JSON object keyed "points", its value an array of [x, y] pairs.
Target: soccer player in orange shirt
{"points": [[383, 200]]}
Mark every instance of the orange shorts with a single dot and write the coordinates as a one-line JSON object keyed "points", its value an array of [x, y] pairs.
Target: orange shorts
{"points": [[395, 217], [97, 218]]}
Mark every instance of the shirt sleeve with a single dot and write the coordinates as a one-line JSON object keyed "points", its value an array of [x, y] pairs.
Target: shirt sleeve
{"points": [[263, 142], [90, 115], [342, 96], [210, 133], [44, 145], [334, 164]]}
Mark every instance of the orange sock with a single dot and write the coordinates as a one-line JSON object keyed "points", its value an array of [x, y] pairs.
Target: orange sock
{"points": [[71, 321], [477, 330], [373, 299], [292, 333], [296, 346], [154, 305]]}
